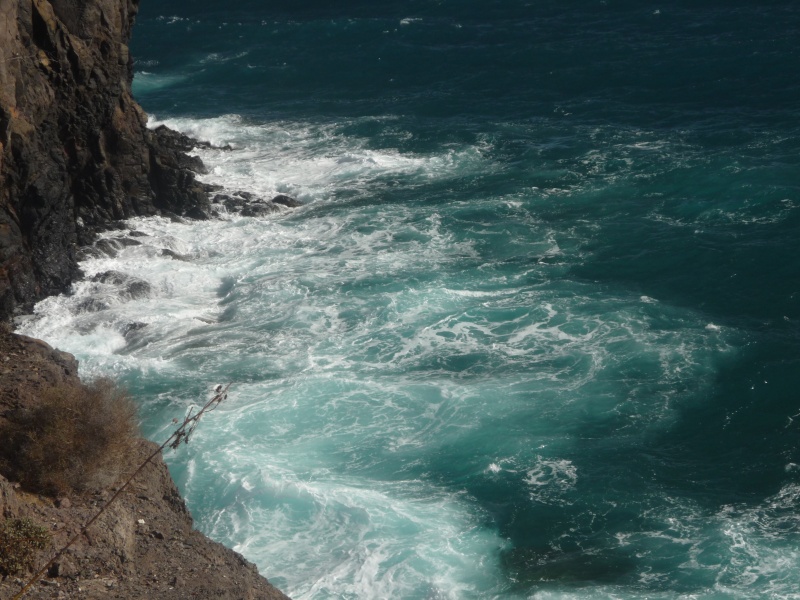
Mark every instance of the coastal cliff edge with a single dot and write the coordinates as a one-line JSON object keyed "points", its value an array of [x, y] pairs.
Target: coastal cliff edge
{"points": [[76, 156]]}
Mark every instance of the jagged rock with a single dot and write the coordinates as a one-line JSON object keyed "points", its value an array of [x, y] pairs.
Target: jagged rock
{"points": [[88, 252], [173, 140], [173, 217], [133, 287], [131, 328], [249, 205], [198, 213], [113, 226], [233, 204], [91, 305], [64, 568], [258, 209], [106, 247], [76, 158], [112, 277], [286, 201]]}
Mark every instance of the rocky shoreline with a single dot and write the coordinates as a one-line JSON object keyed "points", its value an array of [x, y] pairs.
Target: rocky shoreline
{"points": [[76, 157]]}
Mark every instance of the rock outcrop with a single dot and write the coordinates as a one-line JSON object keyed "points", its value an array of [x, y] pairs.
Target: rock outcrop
{"points": [[75, 152]]}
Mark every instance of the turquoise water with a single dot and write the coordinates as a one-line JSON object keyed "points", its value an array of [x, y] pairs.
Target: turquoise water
{"points": [[534, 332]]}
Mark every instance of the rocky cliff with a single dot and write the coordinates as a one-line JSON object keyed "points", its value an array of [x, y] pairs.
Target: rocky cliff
{"points": [[75, 153]]}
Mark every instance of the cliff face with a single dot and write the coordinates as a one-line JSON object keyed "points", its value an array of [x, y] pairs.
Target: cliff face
{"points": [[75, 153]]}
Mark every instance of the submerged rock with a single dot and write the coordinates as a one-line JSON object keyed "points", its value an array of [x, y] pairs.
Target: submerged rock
{"points": [[198, 213], [131, 287], [286, 201], [172, 254], [248, 204], [107, 247], [133, 328], [258, 209]]}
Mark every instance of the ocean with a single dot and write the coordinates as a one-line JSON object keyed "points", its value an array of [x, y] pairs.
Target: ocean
{"points": [[535, 331]]}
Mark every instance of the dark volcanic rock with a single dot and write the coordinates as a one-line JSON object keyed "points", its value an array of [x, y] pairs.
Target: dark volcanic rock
{"points": [[198, 213], [133, 327], [107, 247], [286, 201], [249, 205], [75, 153], [258, 209], [131, 287], [172, 254], [112, 277]]}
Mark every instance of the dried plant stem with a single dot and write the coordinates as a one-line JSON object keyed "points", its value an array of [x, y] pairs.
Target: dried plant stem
{"points": [[180, 435]]}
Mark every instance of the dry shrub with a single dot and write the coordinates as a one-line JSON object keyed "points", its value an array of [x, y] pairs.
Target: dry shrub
{"points": [[77, 437], [20, 542]]}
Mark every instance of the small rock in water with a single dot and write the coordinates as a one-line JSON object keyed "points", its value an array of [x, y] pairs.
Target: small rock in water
{"points": [[106, 247], [258, 210], [138, 288], [88, 252], [173, 254], [172, 216], [92, 305], [286, 201], [197, 213], [112, 277], [132, 327]]}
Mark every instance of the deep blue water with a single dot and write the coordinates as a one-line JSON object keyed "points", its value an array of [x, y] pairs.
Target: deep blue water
{"points": [[534, 332]]}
